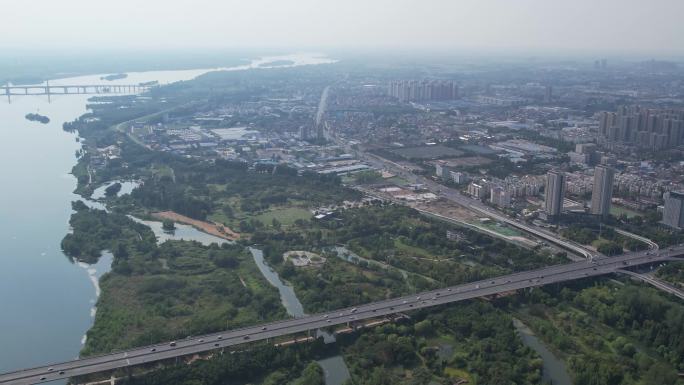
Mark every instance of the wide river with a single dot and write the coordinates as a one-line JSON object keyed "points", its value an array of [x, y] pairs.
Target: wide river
{"points": [[46, 302]]}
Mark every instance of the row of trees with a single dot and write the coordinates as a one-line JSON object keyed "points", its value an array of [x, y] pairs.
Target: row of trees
{"points": [[474, 338], [265, 365], [611, 243], [650, 227]]}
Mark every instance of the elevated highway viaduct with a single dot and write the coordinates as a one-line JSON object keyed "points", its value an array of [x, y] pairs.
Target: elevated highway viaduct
{"points": [[488, 287]]}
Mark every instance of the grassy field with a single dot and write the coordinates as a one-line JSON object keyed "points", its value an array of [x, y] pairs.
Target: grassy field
{"points": [[497, 228], [286, 215], [412, 251], [599, 242], [397, 180], [457, 374], [618, 210], [159, 171]]}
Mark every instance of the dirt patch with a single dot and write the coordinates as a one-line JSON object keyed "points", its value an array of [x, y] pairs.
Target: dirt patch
{"points": [[301, 258], [427, 152], [448, 209], [469, 161], [212, 228]]}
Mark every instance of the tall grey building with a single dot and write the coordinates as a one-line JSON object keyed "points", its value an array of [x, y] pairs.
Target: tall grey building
{"points": [[673, 213], [548, 94], [555, 192], [603, 190], [305, 132]]}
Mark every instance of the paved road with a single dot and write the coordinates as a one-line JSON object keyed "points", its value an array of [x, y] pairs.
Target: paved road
{"points": [[322, 105], [651, 245], [657, 283], [474, 204], [539, 277], [648, 277]]}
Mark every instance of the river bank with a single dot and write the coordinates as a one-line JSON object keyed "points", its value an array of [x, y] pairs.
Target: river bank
{"points": [[554, 369], [215, 229], [334, 368], [55, 308], [47, 300]]}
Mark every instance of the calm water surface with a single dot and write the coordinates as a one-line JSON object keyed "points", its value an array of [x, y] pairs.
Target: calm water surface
{"points": [[334, 368], [181, 233], [127, 187], [554, 369], [46, 301]]}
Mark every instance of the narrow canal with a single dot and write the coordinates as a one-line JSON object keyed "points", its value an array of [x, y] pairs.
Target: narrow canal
{"points": [[336, 371], [554, 370], [334, 368]]}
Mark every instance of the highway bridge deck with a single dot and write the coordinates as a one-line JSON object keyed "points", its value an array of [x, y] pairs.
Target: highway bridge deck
{"points": [[488, 287]]}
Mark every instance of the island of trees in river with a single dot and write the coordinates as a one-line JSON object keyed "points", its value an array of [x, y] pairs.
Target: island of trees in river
{"points": [[114, 77], [277, 63], [38, 118]]}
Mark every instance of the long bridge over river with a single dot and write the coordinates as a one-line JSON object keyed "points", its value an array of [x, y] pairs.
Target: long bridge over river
{"points": [[348, 316], [66, 89]]}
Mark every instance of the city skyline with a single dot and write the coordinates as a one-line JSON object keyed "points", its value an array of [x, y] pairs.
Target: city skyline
{"points": [[320, 192]]}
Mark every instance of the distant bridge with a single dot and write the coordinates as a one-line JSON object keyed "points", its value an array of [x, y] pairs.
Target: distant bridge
{"points": [[64, 89]]}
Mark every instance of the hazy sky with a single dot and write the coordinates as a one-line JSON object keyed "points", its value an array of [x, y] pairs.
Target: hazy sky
{"points": [[652, 26]]}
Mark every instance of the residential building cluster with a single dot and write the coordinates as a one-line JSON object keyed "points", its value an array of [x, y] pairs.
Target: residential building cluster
{"points": [[640, 185], [650, 128], [501, 191], [414, 90], [468, 132]]}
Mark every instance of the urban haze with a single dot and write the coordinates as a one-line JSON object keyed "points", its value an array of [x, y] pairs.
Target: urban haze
{"points": [[342, 193]]}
